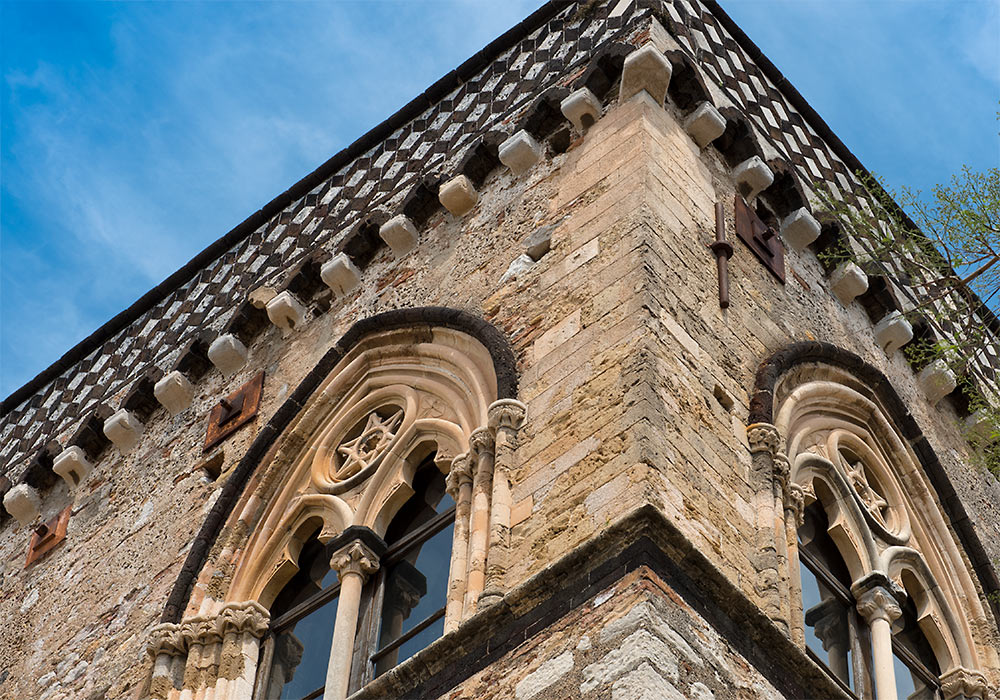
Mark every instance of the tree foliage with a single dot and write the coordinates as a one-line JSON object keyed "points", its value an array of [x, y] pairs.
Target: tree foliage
{"points": [[942, 249]]}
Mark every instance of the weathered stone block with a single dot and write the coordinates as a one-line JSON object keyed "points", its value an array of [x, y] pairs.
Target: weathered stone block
{"points": [[340, 274], [848, 282], [799, 229], [399, 234], [72, 465], [937, 380], [458, 195], [539, 242], [520, 264], [286, 312], [23, 503], [228, 354], [520, 152], [646, 69], [582, 108], [980, 425], [752, 177], [893, 332], [705, 124], [174, 392], [123, 429]]}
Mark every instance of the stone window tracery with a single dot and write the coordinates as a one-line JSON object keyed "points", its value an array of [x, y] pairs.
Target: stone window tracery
{"points": [[879, 591], [377, 523]]}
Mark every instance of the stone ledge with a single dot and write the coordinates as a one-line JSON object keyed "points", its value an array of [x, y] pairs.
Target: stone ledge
{"points": [[644, 539]]}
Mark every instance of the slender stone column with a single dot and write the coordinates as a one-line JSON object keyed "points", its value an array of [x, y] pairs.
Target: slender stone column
{"points": [[764, 441], [168, 648], [460, 490], [879, 608], [795, 499], [506, 417], [201, 634], [356, 558], [481, 445], [242, 625]]}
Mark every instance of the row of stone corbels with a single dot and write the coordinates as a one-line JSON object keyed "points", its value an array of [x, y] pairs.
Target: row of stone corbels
{"points": [[284, 308], [878, 598], [648, 69], [216, 652]]}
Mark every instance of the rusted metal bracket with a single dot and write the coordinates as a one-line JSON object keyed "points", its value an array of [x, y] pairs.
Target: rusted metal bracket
{"points": [[760, 238], [47, 535], [234, 411], [723, 251]]}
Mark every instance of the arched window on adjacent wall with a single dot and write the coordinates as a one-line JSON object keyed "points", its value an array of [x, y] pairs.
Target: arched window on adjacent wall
{"points": [[883, 598], [376, 521]]}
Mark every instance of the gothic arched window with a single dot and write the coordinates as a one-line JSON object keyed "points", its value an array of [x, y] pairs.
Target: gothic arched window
{"points": [[884, 597]]}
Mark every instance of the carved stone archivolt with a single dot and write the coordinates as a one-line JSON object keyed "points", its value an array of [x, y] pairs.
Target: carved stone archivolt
{"points": [[346, 465], [845, 456]]}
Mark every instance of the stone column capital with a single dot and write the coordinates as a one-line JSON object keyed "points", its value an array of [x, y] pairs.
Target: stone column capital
{"points": [[795, 502], [201, 630], [964, 684], [878, 603], [481, 440], [166, 638], [763, 437], [459, 474], [247, 617], [506, 414], [355, 558]]}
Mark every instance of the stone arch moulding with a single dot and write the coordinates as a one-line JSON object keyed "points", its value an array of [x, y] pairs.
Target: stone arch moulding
{"points": [[419, 319], [828, 418]]}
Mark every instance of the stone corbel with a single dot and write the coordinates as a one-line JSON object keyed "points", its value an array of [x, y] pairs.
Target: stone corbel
{"points": [[964, 684]]}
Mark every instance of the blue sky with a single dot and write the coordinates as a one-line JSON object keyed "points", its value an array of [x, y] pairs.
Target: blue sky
{"points": [[134, 134]]}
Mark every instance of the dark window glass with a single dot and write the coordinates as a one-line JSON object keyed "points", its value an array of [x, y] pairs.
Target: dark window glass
{"points": [[414, 582], [303, 617]]}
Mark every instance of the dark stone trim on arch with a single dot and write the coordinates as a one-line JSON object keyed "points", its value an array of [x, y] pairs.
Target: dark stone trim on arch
{"points": [[504, 365], [762, 411]]}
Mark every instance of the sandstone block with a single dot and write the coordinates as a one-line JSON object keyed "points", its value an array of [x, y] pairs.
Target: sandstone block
{"points": [[848, 281], [340, 274], [228, 354], [549, 672], [893, 332], [646, 69], [520, 152], [705, 124], [123, 429], [399, 234], [286, 312], [23, 503], [799, 229], [582, 108], [174, 392], [752, 177], [72, 465], [937, 380], [458, 195]]}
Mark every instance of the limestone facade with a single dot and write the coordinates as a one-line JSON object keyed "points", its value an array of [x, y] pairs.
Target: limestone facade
{"points": [[630, 464]]}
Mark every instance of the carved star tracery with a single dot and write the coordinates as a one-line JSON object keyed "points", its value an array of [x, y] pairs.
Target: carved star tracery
{"points": [[363, 450]]}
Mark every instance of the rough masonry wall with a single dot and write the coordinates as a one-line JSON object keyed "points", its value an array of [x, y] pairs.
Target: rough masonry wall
{"points": [[636, 640]]}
